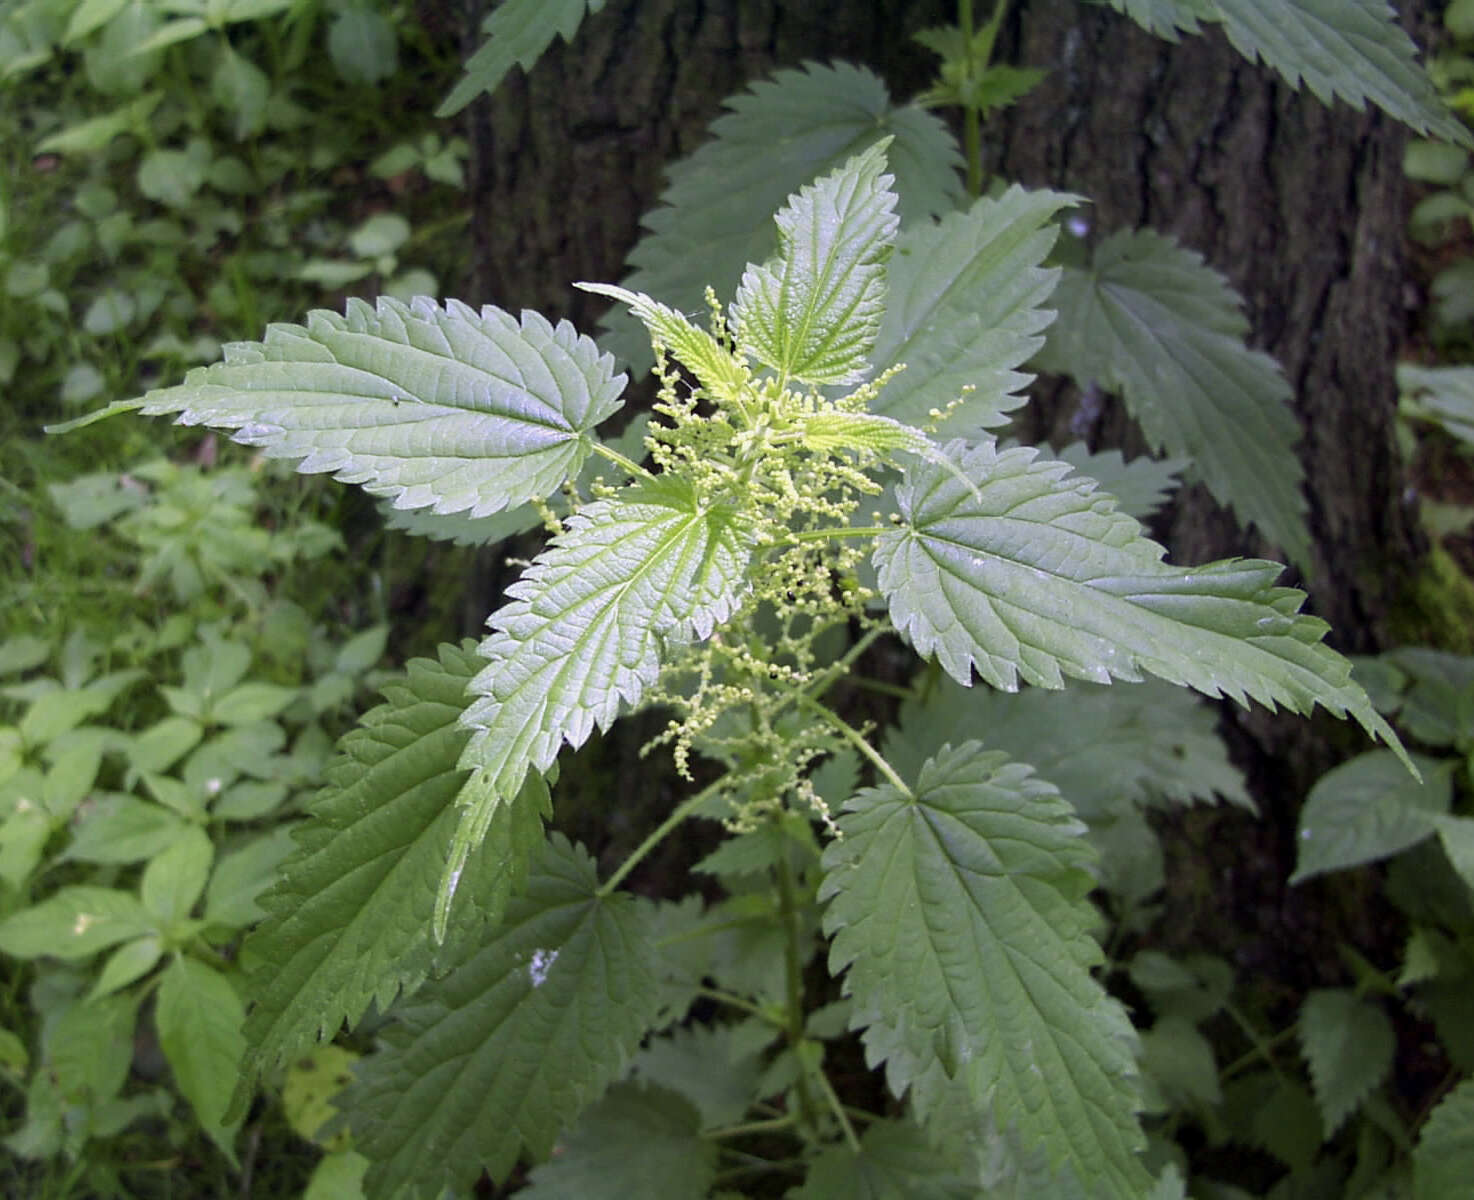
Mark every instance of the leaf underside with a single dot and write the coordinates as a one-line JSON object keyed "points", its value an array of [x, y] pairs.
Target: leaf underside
{"points": [[780, 134], [1150, 320], [446, 408], [1038, 576], [349, 921], [961, 918], [963, 310], [496, 1058], [587, 622], [1352, 50]]}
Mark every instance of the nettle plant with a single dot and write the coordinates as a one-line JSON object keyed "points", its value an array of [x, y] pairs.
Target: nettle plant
{"points": [[796, 509]]}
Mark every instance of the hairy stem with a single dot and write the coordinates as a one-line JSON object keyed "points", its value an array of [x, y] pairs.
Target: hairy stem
{"points": [[658, 835], [793, 981]]}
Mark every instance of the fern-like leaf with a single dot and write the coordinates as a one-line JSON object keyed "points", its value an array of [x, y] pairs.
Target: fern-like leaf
{"points": [[780, 134], [964, 310], [1150, 320], [1038, 576], [587, 621], [959, 911], [429, 406], [349, 921], [812, 312], [517, 32], [493, 1060]]}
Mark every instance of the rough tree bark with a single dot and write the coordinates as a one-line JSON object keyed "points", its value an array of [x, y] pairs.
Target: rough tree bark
{"points": [[1302, 206]]}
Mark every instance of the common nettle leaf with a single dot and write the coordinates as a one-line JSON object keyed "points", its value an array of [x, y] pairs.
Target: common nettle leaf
{"points": [[812, 312], [1105, 748], [1443, 1162], [963, 310], [348, 922], [446, 408], [517, 32], [716, 215], [637, 1141], [959, 913], [1036, 576], [895, 1160], [588, 619], [1150, 320], [492, 1061], [1353, 50], [1348, 1043], [1141, 486]]}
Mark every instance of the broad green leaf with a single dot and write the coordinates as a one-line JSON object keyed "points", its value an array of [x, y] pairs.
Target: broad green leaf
{"points": [[199, 1019], [1038, 576], [349, 922], [594, 1160], [363, 45], [88, 1048], [339, 1176], [963, 310], [1366, 809], [1353, 50], [242, 874], [174, 880], [682, 1061], [495, 1059], [432, 407], [90, 15], [517, 32], [1348, 1043], [1178, 1061], [1443, 1162], [130, 961], [241, 88], [812, 312], [587, 622], [77, 922], [1141, 487], [959, 911], [1105, 748], [1457, 836], [896, 1162], [780, 134], [1150, 320], [1444, 395]]}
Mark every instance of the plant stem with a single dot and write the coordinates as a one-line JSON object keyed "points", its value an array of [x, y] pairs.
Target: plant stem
{"points": [[629, 464], [1263, 1047], [853, 736], [657, 835], [852, 1141], [793, 969], [972, 137], [748, 1127]]}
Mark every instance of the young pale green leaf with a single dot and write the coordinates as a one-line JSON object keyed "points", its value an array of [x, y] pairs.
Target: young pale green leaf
{"points": [[1366, 809], [517, 32], [699, 352], [199, 1018], [594, 1160], [1150, 320], [963, 310], [895, 1162], [445, 408], [812, 312], [585, 629], [1348, 1044], [496, 1058], [960, 912], [1037, 576], [1443, 1162], [1106, 748], [349, 922], [715, 217]]}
